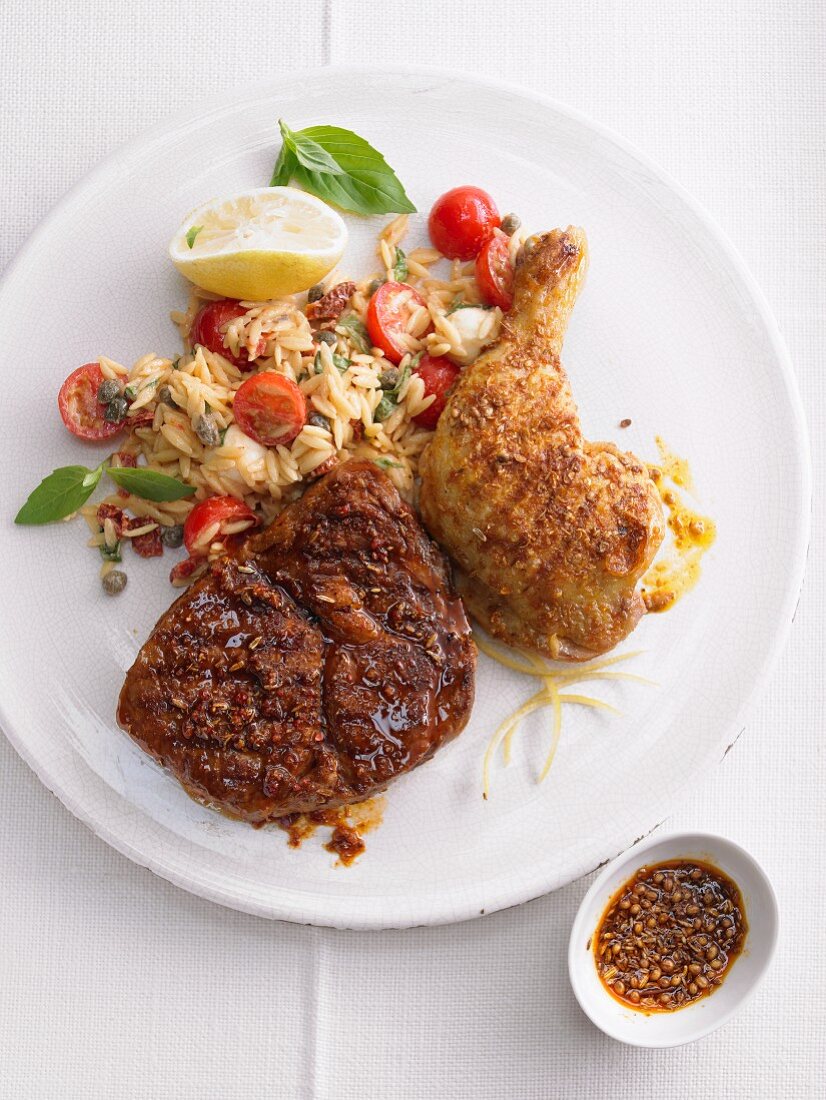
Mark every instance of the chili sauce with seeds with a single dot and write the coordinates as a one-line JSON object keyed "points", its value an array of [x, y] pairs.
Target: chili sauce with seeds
{"points": [[669, 935]]}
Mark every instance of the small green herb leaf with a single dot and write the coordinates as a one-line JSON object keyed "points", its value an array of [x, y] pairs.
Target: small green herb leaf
{"points": [[404, 374], [457, 303], [149, 484], [110, 553], [356, 332], [384, 407], [340, 362], [191, 234], [59, 495], [387, 464], [400, 268]]}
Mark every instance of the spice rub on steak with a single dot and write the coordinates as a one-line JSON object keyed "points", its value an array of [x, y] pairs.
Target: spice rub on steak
{"points": [[328, 655]]}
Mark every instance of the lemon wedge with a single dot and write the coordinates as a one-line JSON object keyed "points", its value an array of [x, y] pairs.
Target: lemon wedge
{"points": [[259, 244]]}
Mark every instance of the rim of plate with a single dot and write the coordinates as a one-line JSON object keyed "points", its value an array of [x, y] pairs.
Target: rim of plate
{"points": [[202, 883]]}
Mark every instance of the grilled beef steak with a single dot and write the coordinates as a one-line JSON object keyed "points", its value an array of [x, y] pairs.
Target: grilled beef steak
{"points": [[325, 657]]}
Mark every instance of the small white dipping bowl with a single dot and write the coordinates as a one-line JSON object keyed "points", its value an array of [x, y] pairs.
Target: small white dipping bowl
{"points": [[684, 1025]]}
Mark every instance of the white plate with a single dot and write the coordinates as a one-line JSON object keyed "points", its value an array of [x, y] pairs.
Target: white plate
{"points": [[670, 331]]}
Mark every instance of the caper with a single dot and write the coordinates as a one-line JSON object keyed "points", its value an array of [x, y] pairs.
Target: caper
{"points": [[326, 337], [319, 421], [114, 582], [315, 292], [374, 285], [207, 430], [108, 390], [165, 397], [510, 223], [116, 410], [172, 536], [389, 379]]}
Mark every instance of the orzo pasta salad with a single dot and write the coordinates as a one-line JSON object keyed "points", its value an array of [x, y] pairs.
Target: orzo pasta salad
{"points": [[267, 395]]}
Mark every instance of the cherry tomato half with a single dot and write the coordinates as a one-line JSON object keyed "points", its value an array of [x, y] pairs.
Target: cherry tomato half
{"points": [[387, 315], [461, 221], [209, 327], [270, 409], [494, 272], [220, 510], [79, 406], [438, 376]]}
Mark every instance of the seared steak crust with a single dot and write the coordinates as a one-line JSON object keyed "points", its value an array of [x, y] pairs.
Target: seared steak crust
{"points": [[327, 656]]}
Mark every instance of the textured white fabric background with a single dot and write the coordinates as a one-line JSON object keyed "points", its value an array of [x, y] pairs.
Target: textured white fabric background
{"points": [[114, 983]]}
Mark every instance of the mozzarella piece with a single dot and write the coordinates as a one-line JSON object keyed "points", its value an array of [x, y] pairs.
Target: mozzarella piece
{"points": [[252, 452], [251, 458], [470, 323]]}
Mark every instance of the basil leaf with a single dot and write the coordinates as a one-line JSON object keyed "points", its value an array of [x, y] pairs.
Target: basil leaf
{"points": [[364, 164], [149, 484], [307, 152], [284, 168], [318, 366], [365, 193], [340, 167], [387, 464], [356, 331], [110, 553], [400, 268], [340, 362], [192, 233], [59, 495], [404, 374], [384, 407]]}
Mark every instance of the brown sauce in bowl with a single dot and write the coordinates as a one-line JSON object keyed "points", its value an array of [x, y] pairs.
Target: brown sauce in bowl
{"points": [[669, 935]]}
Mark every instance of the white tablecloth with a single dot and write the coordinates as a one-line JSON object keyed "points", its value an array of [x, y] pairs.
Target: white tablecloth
{"points": [[114, 983]]}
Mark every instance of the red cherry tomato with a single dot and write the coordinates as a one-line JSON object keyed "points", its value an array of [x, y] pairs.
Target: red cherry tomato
{"points": [[79, 406], [209, 327], [270, 409], [387, 315], [438, 376], [494, 272], [220, 510], [461, 221]]}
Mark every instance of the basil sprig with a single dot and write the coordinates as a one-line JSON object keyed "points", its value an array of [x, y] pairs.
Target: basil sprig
{"points": [[341, 168], [68, 488]]}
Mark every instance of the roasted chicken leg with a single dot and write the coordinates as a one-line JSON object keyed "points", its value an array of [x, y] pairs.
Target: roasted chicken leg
{"points": [[551, 533]]}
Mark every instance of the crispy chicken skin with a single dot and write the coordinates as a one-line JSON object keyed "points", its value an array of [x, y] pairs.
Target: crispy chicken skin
{"points": [[551, 532]]}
